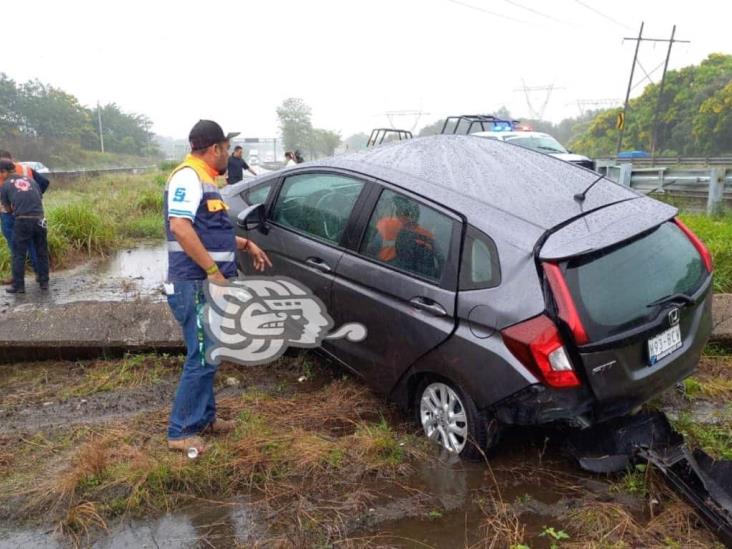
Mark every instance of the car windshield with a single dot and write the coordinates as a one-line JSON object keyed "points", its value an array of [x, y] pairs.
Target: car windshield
{"points": [[543, 144], [644, 271]]}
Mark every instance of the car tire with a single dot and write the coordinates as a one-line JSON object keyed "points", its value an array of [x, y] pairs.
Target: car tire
{"points": [[449, 417]]}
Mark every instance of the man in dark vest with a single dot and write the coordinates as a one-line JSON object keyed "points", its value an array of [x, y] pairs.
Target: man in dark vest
{"points": [[21, 196], [202, 245]]}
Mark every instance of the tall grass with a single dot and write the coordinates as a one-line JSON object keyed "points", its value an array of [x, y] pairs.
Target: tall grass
{"points": [[96, 216], [716, 232], [81, 228]]}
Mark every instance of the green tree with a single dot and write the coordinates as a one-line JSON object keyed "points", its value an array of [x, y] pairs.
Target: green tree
{"points": [[123, 132], [324, 142], [295, 124], [693, 115]]}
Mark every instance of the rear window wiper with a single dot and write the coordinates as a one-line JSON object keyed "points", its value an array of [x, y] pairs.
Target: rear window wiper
{"points": [[683, 298]]}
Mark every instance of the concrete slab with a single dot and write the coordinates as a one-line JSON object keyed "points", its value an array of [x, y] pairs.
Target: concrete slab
{"points": [[722, 319], [83, 329]]}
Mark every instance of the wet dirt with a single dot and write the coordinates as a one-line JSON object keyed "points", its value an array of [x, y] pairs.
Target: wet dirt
{"points": [[98, 408], [134, 273], [442, 503]]}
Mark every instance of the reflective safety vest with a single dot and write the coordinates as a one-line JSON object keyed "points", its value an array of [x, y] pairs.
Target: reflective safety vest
{"points": [[25, 171], [212, 225], [389, 229]]}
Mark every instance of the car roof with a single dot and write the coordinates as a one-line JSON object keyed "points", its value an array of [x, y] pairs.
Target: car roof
{"points": [[499, 187]]}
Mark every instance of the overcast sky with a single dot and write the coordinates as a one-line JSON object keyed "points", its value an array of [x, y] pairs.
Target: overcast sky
{"points": [[351, 61]]}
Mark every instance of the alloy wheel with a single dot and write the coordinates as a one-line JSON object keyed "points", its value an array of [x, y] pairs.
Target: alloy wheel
{"points": [[443, 417]]}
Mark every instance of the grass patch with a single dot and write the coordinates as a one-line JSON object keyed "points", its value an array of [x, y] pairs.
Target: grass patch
{"points": [[634, 482], [716, 350], [302, 456], [132, 371], [711, 387], [716, 232], [714, 439], [30, 384]]}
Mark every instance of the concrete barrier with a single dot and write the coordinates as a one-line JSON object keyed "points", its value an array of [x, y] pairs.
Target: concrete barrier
{"points": [[87, 329]]}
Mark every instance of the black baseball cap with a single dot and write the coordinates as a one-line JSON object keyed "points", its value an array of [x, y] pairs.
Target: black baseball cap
{"points": [[206, 133]]}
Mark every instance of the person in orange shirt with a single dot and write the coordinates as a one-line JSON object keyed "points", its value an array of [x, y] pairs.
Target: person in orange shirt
{"points": [[7, 220], [406, 214]]}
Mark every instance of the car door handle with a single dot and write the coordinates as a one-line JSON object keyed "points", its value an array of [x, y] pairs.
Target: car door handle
{"points": [[319, 264], [427, 305]]}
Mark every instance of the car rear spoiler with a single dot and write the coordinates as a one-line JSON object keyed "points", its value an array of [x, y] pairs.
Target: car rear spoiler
{"points": [[603, 227]]}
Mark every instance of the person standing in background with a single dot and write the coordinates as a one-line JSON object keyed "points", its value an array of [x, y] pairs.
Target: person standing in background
{"points": [[236, 167], [7, 220]]}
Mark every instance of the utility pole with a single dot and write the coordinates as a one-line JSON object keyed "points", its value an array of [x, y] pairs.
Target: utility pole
{"points": [[589, 104], [99, 119], [654, 138], [630, 83], [638, 40]]}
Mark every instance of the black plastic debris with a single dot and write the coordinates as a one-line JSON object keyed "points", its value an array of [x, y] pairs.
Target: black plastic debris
{"points": [[704, 482]]}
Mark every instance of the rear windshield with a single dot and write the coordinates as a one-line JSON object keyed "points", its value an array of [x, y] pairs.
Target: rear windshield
{"points": [[612, 289]]}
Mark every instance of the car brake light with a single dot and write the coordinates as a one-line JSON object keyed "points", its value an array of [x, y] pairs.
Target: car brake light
{"points": [[538, 345], [698, 244], [567, 309]]}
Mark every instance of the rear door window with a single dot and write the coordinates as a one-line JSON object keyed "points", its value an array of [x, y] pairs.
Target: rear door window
{"points": [[408, 235], [318, 205], [480, 268], [613, 288]]}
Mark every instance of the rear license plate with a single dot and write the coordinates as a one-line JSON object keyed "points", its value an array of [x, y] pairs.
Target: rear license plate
{"points": [[664, 344]]}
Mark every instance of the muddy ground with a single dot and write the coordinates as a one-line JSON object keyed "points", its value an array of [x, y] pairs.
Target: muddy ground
{"points": [[317, 460]]}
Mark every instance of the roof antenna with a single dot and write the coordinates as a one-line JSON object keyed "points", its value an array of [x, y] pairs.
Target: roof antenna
{"points": [[580, 197]]}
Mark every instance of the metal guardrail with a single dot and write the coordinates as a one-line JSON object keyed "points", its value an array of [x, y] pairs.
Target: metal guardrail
{"points": [[713, 184], [671, 161], [69, 175]]}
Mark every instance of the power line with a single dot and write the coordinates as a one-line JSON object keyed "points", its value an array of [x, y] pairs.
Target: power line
{"points": [[535, 12], [647, 75], [604, 16], [483, 10]]}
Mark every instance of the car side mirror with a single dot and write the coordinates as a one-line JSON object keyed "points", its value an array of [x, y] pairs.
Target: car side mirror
{"points": [[251, 218]]}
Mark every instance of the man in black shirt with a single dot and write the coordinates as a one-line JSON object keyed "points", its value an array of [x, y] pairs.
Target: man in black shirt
{"points": [[237, 165], [21, 196]]}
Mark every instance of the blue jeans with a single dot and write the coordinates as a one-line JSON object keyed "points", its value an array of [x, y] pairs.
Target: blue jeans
{"points": [[8, 224], [194, 407]]}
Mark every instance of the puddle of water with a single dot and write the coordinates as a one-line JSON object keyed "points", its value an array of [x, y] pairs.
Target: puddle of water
{"points": [[455, 517], [208, 524], [147, 266], [126, 275]]}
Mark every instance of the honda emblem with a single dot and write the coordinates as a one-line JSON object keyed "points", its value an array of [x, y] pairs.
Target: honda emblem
{"points": [[673, 317]]}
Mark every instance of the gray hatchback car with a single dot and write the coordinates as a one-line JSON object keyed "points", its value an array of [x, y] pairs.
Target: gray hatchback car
{"points": [[495, 290]]}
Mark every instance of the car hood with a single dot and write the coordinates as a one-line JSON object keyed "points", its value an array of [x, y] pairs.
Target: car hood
{"points": [[570, 157]]}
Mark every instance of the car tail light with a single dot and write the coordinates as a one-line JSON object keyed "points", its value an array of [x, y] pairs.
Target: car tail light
{"points": [[698, 244], [538, 345], [567, 309]]}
